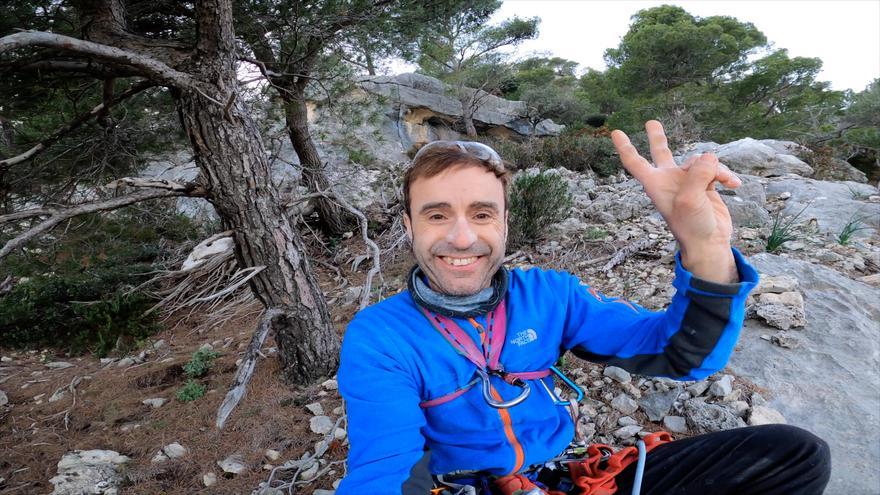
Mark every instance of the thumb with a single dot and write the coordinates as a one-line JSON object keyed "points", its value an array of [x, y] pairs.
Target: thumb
{"points": [[699, 177]]}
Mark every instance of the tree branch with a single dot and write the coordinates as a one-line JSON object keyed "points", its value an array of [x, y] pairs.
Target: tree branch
{"points": [[87, 67], [59, 215], [148, 66], [246, 369], [74, 124]]}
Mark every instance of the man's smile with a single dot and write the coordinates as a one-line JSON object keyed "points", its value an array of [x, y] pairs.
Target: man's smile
{"points": [[460, 261]]}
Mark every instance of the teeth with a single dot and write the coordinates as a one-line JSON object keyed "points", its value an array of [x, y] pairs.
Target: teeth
{"points": [[459, 261]]}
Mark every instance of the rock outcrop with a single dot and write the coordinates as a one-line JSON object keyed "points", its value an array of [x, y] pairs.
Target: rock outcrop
{"points": [[422, 99], [89, 472], [829, 383]]}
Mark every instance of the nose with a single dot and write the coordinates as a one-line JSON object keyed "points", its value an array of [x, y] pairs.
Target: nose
{"points": [[461, 236]]}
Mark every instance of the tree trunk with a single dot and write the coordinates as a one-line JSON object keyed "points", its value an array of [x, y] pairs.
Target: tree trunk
{"points": [[236, 174], [333, 219], [368, 58], [467, 113]]}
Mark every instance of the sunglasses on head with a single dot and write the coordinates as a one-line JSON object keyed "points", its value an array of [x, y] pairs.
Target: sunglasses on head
{"points": [[478, 150]]}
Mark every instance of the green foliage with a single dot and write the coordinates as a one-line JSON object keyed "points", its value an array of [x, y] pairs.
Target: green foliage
{"points": [[191, 391], [519, 155], [666, 47], [577, 151], [73, 298], [74, 312], [198, 366], [855, 224], [201, 362], [454, 49], [361, 157], [596, 233], [782, 231], [863, 117], [581, 152], [713, 78], [539, 72], [536, 201]]}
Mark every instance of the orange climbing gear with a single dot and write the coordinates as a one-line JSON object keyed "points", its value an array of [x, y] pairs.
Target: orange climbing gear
{"points": [[593, 475]]}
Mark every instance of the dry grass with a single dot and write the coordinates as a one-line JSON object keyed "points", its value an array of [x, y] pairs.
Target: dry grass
{"points": [[109, 414]]}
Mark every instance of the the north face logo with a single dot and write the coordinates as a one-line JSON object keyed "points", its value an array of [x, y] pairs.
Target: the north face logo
{"points": [[525, 337]]}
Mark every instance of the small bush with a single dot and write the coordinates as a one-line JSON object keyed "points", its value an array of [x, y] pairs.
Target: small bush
{"points": [[536, 201], [191, 391], [519, 155], [850, 228], [581, 153], [782, 231], [72, 299], [67, 311], [202, 360], [198, 366], [595, 233]]}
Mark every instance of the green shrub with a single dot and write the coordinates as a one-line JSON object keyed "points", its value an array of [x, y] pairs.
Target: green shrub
{"points": [[850, 228], [782, 231], [191, 391], [595, 233], [202, 360], [536, 201], [581, 153], [198, 366], [519, 155], [73, 299], [69, 312]]}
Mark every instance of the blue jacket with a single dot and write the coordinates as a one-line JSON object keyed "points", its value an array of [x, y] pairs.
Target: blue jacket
{"points": [[392, 359]]}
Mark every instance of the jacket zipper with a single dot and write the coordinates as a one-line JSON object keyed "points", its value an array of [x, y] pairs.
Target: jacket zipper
{"points": [[518, 451]]}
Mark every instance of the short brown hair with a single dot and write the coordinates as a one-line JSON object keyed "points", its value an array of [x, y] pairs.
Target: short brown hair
{"points": [[437, 156]]}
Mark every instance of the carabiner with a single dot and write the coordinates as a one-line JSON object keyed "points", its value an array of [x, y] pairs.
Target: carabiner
{"points": [[569, 382], [487, 390]]}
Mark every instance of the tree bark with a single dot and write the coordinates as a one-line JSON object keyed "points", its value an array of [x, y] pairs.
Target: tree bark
{"points": [[333, 219], [467, 115], [235, 172], [233, 164], [237, 176]]}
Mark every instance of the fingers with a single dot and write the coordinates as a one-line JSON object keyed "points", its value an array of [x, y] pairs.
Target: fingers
{"points": [[660, 153], [700, 176], [637, 166], [723, 175]]}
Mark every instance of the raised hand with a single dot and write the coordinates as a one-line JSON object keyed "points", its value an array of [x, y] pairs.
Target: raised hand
{"points": [[687, 199]]}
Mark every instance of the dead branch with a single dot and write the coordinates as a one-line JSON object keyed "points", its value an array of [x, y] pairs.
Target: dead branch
{"points": [[149, 182], [75, 124], [246, 369], [148, 66], [208, 283], [374, 249], [59, 215], [627, 251], [298, 465]]}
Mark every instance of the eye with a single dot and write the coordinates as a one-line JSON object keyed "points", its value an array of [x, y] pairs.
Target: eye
{"points": [[436, 217], [484, 216]]}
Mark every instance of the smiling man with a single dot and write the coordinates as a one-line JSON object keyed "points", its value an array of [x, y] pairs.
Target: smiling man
{"points": [[451, 380]]}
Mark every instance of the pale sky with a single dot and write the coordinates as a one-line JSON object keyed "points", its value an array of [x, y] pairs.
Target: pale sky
{"points": [[845, 34]]}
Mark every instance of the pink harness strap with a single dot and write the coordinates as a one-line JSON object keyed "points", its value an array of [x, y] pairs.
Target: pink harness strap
{"points": [[485, 359]]}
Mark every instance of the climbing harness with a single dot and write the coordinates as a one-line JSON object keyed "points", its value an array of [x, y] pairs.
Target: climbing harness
{"points": [[486, 359], [590, 469], [592, 474]]}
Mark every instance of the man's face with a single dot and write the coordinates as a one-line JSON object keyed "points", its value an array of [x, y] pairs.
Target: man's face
{"points": [[458, 228]]}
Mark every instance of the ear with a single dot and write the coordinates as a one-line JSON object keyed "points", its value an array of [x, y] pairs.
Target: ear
{"points": [[407, 224], [506, 227]]}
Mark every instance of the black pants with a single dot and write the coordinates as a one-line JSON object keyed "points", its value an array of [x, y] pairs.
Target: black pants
{"points": [[765, 460]]}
